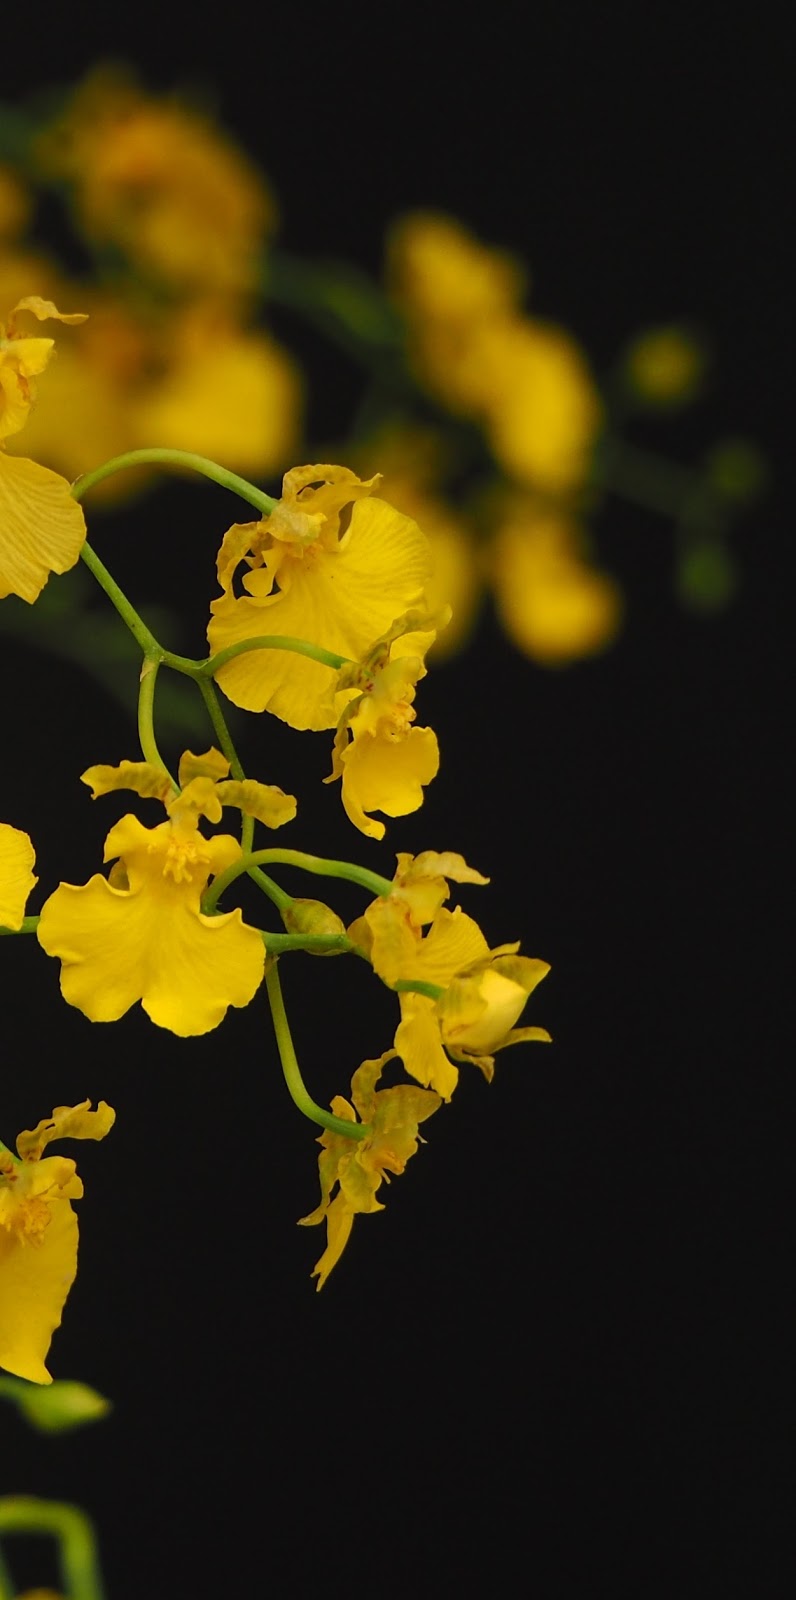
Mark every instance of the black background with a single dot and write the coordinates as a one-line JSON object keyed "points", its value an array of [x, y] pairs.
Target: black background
{"points": [[552, 1365]]}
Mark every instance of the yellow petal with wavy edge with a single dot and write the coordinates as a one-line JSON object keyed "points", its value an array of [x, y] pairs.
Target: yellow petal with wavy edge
{"points": [[265, 801], [66, 1122], [418, 1042], [47, 311], [453, 942], [210, 765], [150, 942], [151, 783], [381, 776], [340, 598], [17, 877], [42, 529], [553, 605], [35, 1280]]}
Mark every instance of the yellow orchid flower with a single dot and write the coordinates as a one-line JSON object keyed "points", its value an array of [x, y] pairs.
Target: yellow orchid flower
{"points": [[360, 1166], [330, 565], [482, 991], [384, 761], [43, 528], [553, 604], [140, 934], [38, 1236], [17, 877]]}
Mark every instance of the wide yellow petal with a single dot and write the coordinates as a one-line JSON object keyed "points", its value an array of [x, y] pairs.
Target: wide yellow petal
{"points": [[379, 775], [418, 1042], [117, 947], [341, 599], [453, 942], [42, 528], [35, 1279], [17, 877]]}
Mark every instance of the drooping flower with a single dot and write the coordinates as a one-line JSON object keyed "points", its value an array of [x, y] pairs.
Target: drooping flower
{"points": [[42, 528], [140, 934], [553, 604], [38, 1236], [358, 1167], [160, 182], [383, 760], [481, 992], [17, 857], [329, 565]]}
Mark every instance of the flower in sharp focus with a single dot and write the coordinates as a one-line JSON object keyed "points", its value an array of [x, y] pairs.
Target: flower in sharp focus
{"points": [[384, 761], [17, 877], [481, 991], [329, 565], [38, 1236], [42, 527], [140, 934], [357, 1167]]}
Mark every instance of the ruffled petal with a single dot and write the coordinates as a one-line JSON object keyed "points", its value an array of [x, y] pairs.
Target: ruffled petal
{"points": [[340, 598], [35, 1279], [17, 877], [418, 1042], [42, 529]]}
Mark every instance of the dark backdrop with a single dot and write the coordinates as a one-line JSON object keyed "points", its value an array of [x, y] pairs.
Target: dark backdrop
{"points": [[551, 1364]]}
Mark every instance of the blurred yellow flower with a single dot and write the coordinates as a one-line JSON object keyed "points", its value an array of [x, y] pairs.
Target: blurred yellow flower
{"points": [[330, 566], [17, 877], [360, 1166], [38, 1236], [42, 528], [553, 605], [162, 183], [226, 392], [438, 272], [140, 934], [383, 760], [14, 204]]}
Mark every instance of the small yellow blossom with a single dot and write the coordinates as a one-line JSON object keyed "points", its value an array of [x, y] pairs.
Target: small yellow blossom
{"points": [[17, 877], [160, 182], [140, 934], [360, 1166], [439, 272], [331, 566], [482, 991], [38, 1236], [383, 760], [42, 528], [553, 605]]}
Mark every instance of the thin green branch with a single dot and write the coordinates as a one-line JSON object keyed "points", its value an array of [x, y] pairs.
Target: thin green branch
{"points": [[29, 925], [319, 944], [273, 641], [80, 1575], [290, 1067], [146, 719], [417, 986], [138, 628], [187, 460], [295, 858]]}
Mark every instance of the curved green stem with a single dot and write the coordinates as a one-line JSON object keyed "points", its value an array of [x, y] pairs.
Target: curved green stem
{"points": [[146, 723], [290, 1067], [220, 729], [80, 1574], [296, 858], [118, 598], [416, 986], [273, 641], [185, 459], [29, 925]]}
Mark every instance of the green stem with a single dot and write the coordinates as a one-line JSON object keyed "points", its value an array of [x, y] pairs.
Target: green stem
{"points": [[416, 986], [290, 1067], [278, 896], [80, 1575], [146, 722], [138, 628], [273, 641], [220, 729], [297, 858], [185, 459], [29, 925], [315, 943]]}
